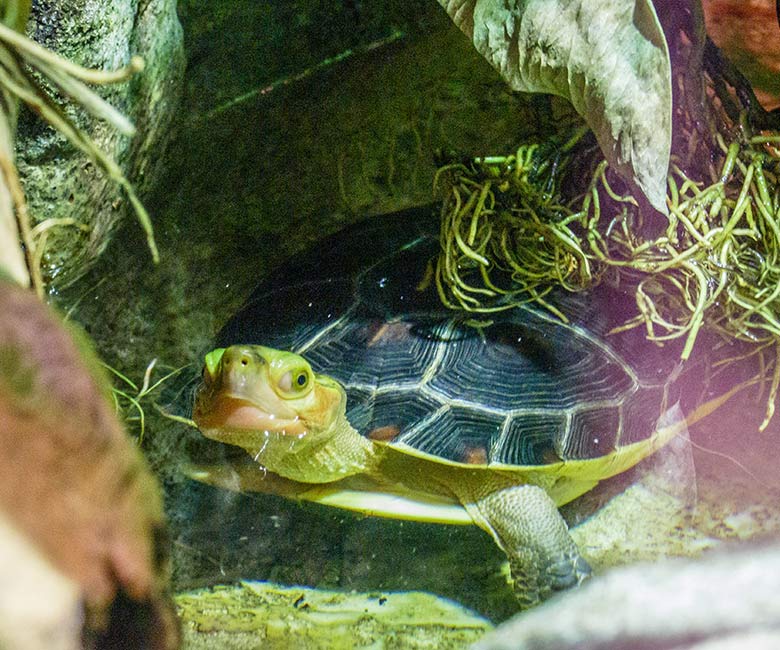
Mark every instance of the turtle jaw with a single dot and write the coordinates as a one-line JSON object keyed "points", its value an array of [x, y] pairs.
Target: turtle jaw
{"points": [[238, 421]]}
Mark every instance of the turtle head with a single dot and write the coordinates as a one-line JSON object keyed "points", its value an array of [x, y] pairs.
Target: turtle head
{"points": [[259, 398]]}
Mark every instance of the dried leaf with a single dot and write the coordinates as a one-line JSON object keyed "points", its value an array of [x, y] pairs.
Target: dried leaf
{"points": [[608, 57]]}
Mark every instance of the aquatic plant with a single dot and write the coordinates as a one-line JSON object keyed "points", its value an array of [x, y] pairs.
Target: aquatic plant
{"points": [[130, 397]]}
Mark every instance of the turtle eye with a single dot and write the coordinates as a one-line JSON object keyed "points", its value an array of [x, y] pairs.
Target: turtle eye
{"points": [[295, 381]]}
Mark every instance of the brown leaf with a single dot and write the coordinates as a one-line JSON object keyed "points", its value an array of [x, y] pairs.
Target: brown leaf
{"points": [[69, 477], [608, 57]]}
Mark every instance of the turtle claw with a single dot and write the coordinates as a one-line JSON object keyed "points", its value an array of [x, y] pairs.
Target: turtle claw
{"points": [[532, 588], [568, 571]]}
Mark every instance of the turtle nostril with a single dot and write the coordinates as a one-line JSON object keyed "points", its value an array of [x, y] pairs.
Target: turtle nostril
{"points": [[237, 355]]}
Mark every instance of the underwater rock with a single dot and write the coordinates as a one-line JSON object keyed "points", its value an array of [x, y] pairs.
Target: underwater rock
{"points": [[77, 491], [59, 181], [725, 600], [268, 615]]}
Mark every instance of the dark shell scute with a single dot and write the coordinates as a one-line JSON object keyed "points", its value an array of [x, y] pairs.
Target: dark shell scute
{"points": [[401, 408], [388, 292], [458, 434], [530, 440], [570, 370], [360, 408], [371, 353], [288, 317], [592, 433], [640, 414]]}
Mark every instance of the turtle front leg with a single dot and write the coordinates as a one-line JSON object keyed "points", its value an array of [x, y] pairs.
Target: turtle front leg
{"points": [[526, 524]]}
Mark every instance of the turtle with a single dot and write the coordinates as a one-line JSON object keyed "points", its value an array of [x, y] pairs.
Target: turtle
{"points": [[349, 384]]}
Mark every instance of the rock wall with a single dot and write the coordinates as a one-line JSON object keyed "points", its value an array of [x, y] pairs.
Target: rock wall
{"points": [[59, 181]]}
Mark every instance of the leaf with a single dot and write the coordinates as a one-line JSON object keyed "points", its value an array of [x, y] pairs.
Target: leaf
{"points": [[608, 57], [70, 479]]}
